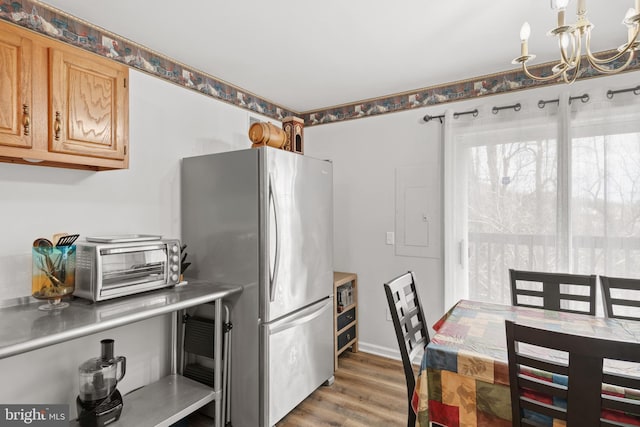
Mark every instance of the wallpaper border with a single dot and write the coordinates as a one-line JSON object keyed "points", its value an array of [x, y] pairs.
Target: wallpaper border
{"points": [[57, 24], [477, 87]]}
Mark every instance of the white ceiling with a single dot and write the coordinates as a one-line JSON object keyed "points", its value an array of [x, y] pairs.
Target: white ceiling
{"points": [[306, 56]]}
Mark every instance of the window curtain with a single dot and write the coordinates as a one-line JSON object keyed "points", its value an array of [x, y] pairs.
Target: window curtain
{"points": [[605, 182], [546, 189]]}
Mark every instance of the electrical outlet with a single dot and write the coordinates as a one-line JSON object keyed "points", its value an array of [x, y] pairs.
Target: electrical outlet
{"points": [[388, 314]]}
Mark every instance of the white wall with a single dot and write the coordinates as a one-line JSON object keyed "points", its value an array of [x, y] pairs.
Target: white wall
{"points": [[167, 123], [365, 153]]}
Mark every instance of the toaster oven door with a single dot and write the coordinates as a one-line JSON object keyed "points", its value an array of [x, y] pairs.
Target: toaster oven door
{"points": [[128, 270]]}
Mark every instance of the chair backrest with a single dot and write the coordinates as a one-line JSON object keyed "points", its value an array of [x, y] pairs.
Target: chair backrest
{"points": [[574, 293], [574, 389], [409, 324], [618, 296]]}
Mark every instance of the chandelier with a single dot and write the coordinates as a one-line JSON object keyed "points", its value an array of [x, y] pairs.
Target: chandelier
{"points": [[570, 42]]}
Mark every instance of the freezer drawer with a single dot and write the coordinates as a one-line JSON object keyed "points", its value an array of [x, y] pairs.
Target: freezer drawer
{"points": [[299, 358]]}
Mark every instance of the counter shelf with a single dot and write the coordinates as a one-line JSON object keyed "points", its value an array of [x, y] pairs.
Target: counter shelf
{"points": [[158, 404]]}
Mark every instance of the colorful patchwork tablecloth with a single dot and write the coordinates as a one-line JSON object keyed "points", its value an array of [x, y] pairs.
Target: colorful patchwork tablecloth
{"points": [[464, 378]]}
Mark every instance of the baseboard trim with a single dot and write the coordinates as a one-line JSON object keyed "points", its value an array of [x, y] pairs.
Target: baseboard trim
{"points": [[385, 352], [379, 350]]}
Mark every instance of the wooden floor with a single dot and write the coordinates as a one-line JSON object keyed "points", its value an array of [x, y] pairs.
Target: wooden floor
{"points": [[369, 391]]}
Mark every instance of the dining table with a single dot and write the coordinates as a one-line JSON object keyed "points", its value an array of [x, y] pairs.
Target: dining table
{"points": [[464, 378]]}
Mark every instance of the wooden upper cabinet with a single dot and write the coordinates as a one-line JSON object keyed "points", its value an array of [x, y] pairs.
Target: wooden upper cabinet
{"points": [[60, 105], [15, 90], [88, 99]]}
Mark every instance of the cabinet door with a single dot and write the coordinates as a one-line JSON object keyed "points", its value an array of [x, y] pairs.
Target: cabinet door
{"points": [[89, 105], [15, 89]]}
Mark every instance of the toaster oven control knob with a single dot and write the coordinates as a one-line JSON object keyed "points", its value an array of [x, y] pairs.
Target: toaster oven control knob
{"points": [[174, 249], [174, 268], [175, 258], [174, 277]]}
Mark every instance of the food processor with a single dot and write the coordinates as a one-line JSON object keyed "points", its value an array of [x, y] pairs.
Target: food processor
{"points": [[99, 402]]}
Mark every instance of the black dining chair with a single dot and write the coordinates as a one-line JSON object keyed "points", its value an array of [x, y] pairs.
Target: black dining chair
{"points": [[576, 393], [409, 324], [618, 294], [574, 293]]}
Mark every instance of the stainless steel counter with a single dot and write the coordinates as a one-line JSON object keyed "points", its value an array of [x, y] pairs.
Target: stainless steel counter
{"points": [[26, 328]]}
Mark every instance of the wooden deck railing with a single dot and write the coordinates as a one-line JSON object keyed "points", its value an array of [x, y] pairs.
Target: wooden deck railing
{"points": [[492, 254]]}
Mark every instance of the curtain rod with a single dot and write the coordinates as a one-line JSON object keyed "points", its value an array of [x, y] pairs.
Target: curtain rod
{"points": [[635, 90], [474, 112], [516, 107], [428, 117], [584, 98], [455, 115], [541, 104]]}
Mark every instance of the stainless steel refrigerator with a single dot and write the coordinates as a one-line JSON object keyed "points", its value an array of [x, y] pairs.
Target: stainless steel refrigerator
{"points": [[263, 218]]}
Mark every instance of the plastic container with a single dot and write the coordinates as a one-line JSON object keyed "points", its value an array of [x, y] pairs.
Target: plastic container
{"points": [[53, 274]]}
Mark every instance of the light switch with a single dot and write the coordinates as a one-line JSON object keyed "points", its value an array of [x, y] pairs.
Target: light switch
{"points": [[391, 238]]}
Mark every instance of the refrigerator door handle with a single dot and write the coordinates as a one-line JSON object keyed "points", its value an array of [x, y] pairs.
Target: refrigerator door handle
{"points": [[304, 316], [273, 199]]}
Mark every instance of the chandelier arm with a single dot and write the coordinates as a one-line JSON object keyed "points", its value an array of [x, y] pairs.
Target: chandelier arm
{"points": [[593, 60], [576, 56], [568, 67], [574, 51], [576, 72], [563, 50], [612, 70], [542, 79]]}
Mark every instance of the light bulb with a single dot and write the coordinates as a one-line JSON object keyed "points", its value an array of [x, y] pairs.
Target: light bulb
{"points": [[525, 32], [631, 28], [559, 4], [629, 14]]}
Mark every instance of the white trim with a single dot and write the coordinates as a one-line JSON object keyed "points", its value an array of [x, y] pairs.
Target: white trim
{"points": [[387, 352]]}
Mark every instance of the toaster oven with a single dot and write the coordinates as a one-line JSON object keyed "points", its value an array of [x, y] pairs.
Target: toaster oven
{"points": [[115, 267]]}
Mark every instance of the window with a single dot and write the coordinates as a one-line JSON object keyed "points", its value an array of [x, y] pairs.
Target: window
{"points": [[545, 191]]}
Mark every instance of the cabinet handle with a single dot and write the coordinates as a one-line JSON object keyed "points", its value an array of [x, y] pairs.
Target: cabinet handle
{"points": [[57, 127], [26, 120]]}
